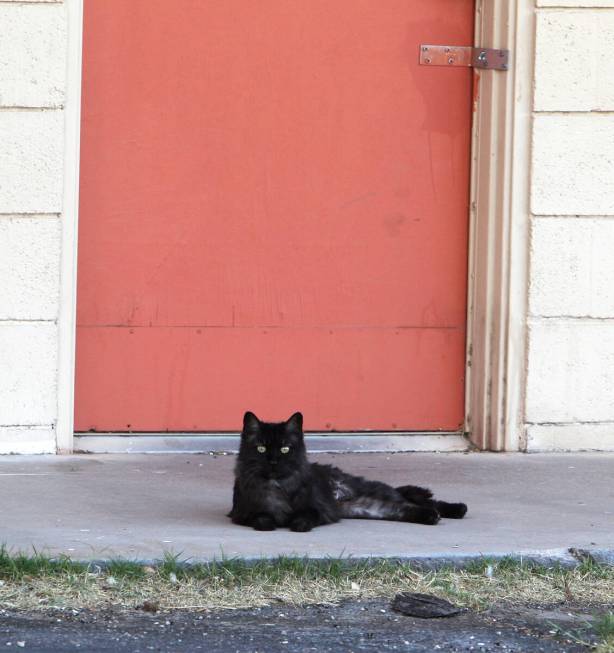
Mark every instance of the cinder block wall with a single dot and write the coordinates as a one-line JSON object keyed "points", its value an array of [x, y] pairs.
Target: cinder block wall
{"points": [[570, 389], [32, 80]]}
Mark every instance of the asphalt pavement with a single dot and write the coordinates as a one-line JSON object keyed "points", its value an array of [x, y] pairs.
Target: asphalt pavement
{"points": [[355, 626]]}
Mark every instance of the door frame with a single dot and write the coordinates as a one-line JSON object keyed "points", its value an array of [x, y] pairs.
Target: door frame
{"points": [[498, 230], [498, 270]]}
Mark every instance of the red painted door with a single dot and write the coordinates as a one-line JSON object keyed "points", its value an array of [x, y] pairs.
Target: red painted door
{"points": [[274, 209]]}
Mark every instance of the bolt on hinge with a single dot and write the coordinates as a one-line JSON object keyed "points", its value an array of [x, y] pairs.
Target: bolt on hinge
{"points": [[456, 55]]}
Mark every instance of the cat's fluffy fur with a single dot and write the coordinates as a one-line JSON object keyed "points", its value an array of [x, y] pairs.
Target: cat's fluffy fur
{"points": [[276, 486]]}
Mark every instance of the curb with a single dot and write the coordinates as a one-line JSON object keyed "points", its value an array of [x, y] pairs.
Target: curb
{"points": [[568, 558]]}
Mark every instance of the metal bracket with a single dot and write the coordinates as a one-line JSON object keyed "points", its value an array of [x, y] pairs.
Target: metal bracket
{"points": [[455, 55]]}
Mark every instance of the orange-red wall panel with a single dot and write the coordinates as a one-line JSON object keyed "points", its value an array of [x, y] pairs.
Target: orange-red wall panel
{"points": [[274, 211]]}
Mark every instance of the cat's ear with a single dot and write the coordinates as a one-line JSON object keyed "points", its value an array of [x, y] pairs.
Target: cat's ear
{"points": [[251, 424], [295, 423]]}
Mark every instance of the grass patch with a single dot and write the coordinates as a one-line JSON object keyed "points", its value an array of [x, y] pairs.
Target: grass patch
{"points": [[597, 634], [604, 628], [125, 569], [35, 582], [16, 567]]}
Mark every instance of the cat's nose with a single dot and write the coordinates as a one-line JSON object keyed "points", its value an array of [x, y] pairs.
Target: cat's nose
{"points": [[273, 462]]}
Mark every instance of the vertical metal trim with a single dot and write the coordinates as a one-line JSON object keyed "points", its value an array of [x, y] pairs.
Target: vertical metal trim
{"points": [[70, 209]]}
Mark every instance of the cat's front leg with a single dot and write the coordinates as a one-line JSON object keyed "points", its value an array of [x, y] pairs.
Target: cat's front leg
{"points": [[304, 521], [262, 522]]}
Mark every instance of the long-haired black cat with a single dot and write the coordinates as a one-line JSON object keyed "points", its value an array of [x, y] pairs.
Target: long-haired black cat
{"points": [[276, 486]]}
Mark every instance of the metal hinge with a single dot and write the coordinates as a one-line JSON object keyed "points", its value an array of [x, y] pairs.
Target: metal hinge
{"points": [[455, 55]]}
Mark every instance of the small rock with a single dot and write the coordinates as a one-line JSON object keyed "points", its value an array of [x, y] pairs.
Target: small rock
{"points": [[424, 606], [150, 606]]}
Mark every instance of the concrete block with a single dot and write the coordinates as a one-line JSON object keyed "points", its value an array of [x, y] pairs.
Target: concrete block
{"points": [[570, 437], [32, 55], [27, 440], [570, 371], [29, 268], [28, 373], [31, 161], [575, 3], [602, 556], [573, 164], [572, 267], [573, 66]]}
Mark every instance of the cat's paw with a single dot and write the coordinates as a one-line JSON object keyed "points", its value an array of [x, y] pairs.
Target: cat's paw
{"points": [[301, 525], [263, 523], [422, 515], [429, 516], [453, 510]]}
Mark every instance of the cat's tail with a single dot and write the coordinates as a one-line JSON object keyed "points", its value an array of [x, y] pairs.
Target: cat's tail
{"points": [[422, 496]]}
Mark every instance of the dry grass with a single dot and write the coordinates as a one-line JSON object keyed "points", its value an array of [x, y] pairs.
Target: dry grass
{"points": [[36, 582]]}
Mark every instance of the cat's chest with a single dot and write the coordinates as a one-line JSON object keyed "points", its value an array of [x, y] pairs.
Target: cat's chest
{"points": [[275, 493], [276, 499]]}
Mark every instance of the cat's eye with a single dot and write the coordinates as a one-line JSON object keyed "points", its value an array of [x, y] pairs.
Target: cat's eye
{"points": [[261, 448], [285, 449]]}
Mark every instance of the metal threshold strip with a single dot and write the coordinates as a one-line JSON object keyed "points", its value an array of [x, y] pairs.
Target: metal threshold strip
{"points": [[194, 443]]}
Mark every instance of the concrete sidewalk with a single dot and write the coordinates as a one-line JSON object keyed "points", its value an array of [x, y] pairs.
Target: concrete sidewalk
{"points": [[139, 506]]}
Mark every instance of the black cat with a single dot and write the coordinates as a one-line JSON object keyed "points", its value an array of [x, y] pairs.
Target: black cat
{"points": [[275, 485]]}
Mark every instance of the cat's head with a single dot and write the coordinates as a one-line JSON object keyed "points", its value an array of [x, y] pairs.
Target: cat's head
{"points": [[273, 450]]}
